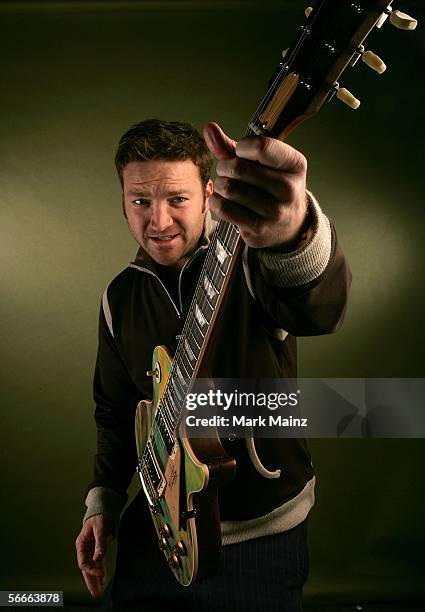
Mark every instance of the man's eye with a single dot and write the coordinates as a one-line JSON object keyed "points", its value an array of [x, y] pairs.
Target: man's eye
{"points": [[141, 202], [178, 200]]}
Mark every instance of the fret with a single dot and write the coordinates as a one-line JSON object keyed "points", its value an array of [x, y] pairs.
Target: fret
{"points": [[181, 380], [169, 409], [227, 233], [222, 274], [196, 349], [190, 354], [222, 250], [182, 367], [178, 392], [221, 255], [200, 317], [196, 331], [207, 307], [218, 278], [209, 287], [233, 240], [185, 362]]}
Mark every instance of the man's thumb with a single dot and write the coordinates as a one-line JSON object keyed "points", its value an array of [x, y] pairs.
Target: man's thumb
{"points": [[220, 145]]}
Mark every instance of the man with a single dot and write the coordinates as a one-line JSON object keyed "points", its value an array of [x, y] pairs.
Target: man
{"points": [[293, 281]]}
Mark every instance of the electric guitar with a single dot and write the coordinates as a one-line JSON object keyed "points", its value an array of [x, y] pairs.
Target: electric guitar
{"points": [[180, 476]]}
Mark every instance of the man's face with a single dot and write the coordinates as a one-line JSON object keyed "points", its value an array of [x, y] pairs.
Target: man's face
{"points": [[165, 204]]}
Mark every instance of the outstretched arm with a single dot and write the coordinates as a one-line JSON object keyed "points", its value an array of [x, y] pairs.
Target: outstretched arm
{"points": [[296, 267]]}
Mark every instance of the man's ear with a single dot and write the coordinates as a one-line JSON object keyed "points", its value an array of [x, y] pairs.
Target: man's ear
{"points": [[209, 189]]}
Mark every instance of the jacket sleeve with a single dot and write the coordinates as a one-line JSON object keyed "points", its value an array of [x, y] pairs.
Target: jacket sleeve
{"points": [[304, 291], [116, 398]]}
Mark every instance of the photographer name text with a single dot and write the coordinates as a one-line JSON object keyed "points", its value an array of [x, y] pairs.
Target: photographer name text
{"points": [[271, 420]]}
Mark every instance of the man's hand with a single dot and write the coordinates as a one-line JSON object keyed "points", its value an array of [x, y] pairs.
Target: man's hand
{"points": [[91, 545], [260, 187]]}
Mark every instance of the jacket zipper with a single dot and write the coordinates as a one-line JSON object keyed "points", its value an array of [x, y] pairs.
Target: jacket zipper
{"points": [[160, 282], [142, 269]]}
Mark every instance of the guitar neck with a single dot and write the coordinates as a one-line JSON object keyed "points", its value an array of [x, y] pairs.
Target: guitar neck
{"points": [[207, 301], [327, 43]]}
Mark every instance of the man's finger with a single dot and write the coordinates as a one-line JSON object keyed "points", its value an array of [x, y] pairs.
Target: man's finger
{"points": [[93, 584], [220, 145], [269, 180], [232, 212], [271, 153], [250, 197], [100, 550], [92, 570], [85, 547]]}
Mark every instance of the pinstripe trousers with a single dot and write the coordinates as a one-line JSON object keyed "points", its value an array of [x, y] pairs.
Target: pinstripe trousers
{"points": [[261, 575]]}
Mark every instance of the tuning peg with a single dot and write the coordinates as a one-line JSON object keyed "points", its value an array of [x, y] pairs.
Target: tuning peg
{"points": [[347, 97], [373, 61], [402, 21], [308, 11]]}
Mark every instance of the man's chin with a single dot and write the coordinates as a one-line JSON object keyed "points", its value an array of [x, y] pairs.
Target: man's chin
{"points": [[165, 259]]}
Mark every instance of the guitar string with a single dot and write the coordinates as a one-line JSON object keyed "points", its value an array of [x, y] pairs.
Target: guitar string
{"points": [[229, 228], [210, 268], [198, 300], [171, 418]]}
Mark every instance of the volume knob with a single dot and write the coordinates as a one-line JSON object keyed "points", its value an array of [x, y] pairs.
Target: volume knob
{"points": [[162, 543], [180, 548], [165, 530], [174, 560]]}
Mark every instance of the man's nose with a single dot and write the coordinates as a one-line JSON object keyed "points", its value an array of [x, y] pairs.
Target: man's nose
{"points": [[160, 217]]}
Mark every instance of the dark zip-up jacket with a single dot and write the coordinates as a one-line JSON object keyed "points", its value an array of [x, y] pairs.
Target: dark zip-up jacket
{"points": [[273, 298]]}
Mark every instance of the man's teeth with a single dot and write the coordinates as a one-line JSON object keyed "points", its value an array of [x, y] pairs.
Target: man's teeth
{"points": [[165, 237]]}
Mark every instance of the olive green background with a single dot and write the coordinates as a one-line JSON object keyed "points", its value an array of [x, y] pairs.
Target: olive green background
{"points": [[74, 76]]}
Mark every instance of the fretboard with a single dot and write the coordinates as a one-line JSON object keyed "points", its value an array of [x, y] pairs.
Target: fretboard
{"points": [[206, 301]]}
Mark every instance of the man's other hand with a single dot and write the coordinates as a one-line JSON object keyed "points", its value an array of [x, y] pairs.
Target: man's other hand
{"points": [[91, 545], [260, 187]]}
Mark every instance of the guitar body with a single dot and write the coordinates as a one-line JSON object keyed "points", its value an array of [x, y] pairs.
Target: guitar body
{"points": [[181, 486]]}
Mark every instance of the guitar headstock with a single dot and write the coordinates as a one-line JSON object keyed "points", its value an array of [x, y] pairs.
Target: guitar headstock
{"points": [[330, 40]]}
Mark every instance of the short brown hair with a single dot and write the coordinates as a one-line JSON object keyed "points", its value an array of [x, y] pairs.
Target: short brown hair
{"points": [[155, 139]]}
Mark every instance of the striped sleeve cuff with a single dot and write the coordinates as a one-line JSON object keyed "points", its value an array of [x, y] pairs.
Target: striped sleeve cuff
{"points": [[285, 517], [306, 263], [103, 500]]}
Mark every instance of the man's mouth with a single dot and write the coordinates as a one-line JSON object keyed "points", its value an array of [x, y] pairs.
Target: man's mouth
{"points": [[167, 238]]}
